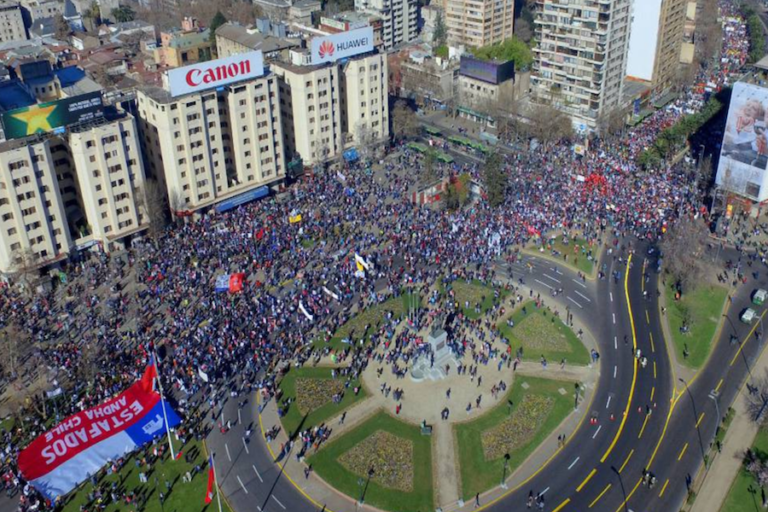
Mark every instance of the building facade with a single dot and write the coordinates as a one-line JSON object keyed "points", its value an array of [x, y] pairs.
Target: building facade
{"points": [[366, 116], [399, 19], [658, 28], [479, 23], [11, 22], [581, 58], [232, 39]]}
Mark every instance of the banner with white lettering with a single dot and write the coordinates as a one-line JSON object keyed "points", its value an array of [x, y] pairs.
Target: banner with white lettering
{"points": [[344, 44], [215, 73], [58, 460]]}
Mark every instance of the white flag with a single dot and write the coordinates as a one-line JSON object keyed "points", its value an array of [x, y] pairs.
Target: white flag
{"points": [[306, 313]]}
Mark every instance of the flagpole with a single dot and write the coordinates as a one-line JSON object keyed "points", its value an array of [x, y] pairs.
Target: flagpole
{"points": [[216, 482], [162, 403]]}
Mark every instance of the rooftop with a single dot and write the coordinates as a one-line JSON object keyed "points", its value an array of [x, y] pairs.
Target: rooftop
{"points": [[255, 41], [13, 95]]}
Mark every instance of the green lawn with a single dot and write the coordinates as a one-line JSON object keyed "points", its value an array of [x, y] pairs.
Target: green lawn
{"points": [[479, 474], [372, 316], [575, 254], [327, 409], [328, 467], [739, 498], [703, 306], [475, 293], [184, 497], [539, 335]]}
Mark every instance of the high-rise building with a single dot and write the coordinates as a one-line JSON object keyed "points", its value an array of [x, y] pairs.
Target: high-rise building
{"points": [[11, 22], [479, 23], [399, 19], [580, 60], [656, 38]]}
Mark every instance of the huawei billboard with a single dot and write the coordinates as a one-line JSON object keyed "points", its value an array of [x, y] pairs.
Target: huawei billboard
{"points": [[215, 73], [341, 45]]}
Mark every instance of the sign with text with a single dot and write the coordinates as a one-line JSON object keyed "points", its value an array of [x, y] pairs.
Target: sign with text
{"points": [[215, 73], [47, 117], [344, 44]]}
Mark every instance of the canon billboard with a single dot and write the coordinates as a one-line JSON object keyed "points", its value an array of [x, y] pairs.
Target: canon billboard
{"points": [[344, 44], [215, 73]]}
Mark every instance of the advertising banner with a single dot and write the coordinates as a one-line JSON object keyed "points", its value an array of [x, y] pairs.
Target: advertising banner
{"points": [[344, 44], [744, 152], [58, 460], [46, 117], [215, 73]]}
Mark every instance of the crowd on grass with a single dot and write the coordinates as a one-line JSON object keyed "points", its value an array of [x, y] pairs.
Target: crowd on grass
{"points": [[95, 332]]}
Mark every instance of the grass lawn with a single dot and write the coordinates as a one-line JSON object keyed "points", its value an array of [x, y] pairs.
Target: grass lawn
{"points": [[419, 499], [325, 408], [372, 316], [539, 335], [476, 293], [739, 498], [704, 307], [479, 474], [575, 254], [184, 497]]}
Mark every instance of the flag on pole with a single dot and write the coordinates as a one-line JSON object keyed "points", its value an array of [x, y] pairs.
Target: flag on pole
{"points": [[147, 381], [211, 481]]}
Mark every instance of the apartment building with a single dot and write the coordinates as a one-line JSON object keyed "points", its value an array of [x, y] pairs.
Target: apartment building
{"points": [[658, 27], [399, 19], [233, 39], [479, 23], [11, 22], [581, 58], [367, 107], [214, 144]]}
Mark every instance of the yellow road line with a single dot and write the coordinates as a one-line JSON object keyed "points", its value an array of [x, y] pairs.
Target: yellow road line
{"points": [[682, 452], [634, 365], [663, 433], [589, 477], [653, 392], [664, 488], [626, 460], [741, 346], [645, 421], [600, 496], [647, 318], [563, 504], [700, 418], [653, 348], [718, 385], [630, 494]]}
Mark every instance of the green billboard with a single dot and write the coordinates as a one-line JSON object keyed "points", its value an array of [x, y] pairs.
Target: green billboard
{"points": [[47, 117]]}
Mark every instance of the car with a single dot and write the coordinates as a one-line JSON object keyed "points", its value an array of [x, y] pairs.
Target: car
{"points": [[748, 315], [759, 296]]}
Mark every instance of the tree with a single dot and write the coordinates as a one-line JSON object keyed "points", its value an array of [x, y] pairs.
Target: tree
{"points": [[495, 180], [123, 14], [93, 15], [613, 123], [62, 28], [155, 202], [26, 264], [683, 246], [549, 124], [429, 174], [217, 21], [364, 139], [440, 34], [404, 121]]}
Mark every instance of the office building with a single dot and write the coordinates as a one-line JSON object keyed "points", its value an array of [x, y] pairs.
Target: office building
{"points": [[233, 39], [581, 58], [656, 40], [11, 22], [478, 23], [187, 45], [399, 19]]}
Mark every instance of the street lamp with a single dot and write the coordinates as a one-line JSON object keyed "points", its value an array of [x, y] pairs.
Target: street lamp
{"points": [[504, 472], [360, 482], [734, 338], [714, 395], [576, 396]]}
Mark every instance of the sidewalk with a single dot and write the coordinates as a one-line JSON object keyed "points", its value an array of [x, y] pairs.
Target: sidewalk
{"points": [[741, 434]]}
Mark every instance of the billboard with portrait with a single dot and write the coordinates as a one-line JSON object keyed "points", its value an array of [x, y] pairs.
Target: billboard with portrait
{"points": [[47, 117], [744, 152]]}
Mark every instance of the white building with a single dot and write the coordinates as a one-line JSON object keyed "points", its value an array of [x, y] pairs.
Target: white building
{"points": [[11, 22], [479, 23], [399, 19]]}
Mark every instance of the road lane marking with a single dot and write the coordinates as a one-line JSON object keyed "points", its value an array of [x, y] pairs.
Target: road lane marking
{"points": [[653, 392], [682, 452], [579, 283], [226, 447], [600, 496], [653, 348], [615, 343], [542, 493], [257, 474], [645, 421], [654, 369], [614, 317], [563, 504], [611, 294], [278, 501], [664, 488], [647, 318], [741, 345], [582, 295], [239, 419], [608, 402], [597, 431], [615, 369], [574, 462], [552, 278], [700, 418], [589, 477], [545, 284], [626, 460], [245, 445], [569, 298], [241, 484], [634, 365], [718, 385], [621, 507]]}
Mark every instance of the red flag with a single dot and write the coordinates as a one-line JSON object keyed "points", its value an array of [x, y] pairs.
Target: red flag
{"points": [[150, 374], [211, 481]]}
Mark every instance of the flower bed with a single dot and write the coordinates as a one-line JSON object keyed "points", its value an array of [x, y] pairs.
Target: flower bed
{"points": [[519, 428], [311, 394], [390, 456]]}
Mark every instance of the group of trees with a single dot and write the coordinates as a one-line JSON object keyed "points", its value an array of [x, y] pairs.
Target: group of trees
{"points": [[157, 13], [511, 49], [683, 247]]}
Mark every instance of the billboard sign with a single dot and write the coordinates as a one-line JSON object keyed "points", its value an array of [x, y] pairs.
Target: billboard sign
{"points": [[53, 115], [344, 44], [487, 71], [215, 73], [744, 152]]}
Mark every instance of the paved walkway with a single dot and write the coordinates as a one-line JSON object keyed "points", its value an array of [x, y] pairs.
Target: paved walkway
{"points": [[726, 465]]}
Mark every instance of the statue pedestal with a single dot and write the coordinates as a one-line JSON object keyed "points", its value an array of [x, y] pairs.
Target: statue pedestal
{"points": [[422, 370]]}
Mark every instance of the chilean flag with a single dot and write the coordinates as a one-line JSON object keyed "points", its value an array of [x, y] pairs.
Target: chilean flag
{"points": [[211, 481], [147, 381], [232, 283]]}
